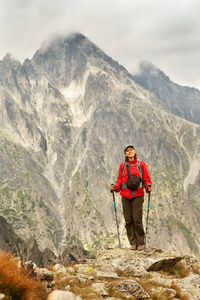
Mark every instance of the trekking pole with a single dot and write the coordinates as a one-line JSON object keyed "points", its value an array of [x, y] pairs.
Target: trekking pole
{"points": [[147, 217], [116, 216]]}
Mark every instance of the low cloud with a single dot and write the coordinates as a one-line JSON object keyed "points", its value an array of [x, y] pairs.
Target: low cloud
{"points": [[163, 32]]}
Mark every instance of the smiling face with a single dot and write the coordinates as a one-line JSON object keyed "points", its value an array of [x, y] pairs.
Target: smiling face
{"points": [[130, 153]]}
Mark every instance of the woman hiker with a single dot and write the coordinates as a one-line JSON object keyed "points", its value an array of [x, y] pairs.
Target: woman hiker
{"points": [[133, 176]]}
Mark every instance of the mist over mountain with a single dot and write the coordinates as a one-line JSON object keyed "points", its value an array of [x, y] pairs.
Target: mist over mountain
{"points": [[65, 117]]}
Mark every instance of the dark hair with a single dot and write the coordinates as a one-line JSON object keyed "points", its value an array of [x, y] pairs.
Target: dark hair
{"points": [[126, 157]]}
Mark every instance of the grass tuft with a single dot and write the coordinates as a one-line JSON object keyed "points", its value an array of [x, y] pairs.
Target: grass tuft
{"points": [[179, 270], [16, 282], [179, 293], [196, 268]]}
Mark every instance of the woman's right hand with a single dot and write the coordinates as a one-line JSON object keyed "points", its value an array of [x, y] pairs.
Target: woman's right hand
{"points": [[113, 187]]}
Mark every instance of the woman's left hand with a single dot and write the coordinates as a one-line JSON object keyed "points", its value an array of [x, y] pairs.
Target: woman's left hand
{"points": [[149, 188], [113, 187]]}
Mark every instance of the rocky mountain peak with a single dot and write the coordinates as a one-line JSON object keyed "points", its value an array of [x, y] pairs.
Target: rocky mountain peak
{"points": [[66, 58], [72, 43], [62, 58], [10, 58], [8, 66], [148, 69], [56, 41], [181, 101]]}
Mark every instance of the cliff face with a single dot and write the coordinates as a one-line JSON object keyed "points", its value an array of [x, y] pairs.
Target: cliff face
{"points": [[65, 117], [26, 250]]}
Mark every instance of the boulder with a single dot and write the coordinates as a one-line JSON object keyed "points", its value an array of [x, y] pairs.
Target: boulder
{"points": [[63, 295], [74, 253], [100, 288], [164, 264], [132, 287], [60, 269]]}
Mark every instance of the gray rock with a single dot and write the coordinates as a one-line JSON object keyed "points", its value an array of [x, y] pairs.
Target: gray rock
{"points": [[70, 270], [164, 292], [132, 269], [131, 287], [107, 274], [44, 274], [74, 253], [100, 288], [158, 279], [31, 267], [190, 285], [58, 268], [63, 295], [164, 264], [85, 276], [170, 293], [84, 268]]}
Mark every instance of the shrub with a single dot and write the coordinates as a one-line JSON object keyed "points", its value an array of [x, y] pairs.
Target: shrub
{"points": [[15, 282]]}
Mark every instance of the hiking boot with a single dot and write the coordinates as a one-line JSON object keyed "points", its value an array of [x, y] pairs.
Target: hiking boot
{"points": [[140, 247], [133, 247]]}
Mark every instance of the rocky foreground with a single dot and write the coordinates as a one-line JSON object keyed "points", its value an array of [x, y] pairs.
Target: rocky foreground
{"points": [[123, 274]]}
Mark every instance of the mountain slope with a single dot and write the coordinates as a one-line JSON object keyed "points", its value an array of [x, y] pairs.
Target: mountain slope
{"points": [[65, 118], [180, 100]]}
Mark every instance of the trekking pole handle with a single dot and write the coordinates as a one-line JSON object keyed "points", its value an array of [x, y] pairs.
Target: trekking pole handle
{"points": [[112, 190], [149, 186]]}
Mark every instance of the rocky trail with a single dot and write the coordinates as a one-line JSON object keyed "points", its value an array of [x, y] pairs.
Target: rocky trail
{"points": [[123, 274], [126, 274]]}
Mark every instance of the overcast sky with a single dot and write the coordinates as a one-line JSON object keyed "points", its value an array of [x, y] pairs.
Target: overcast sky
{"points": [[164, 32]]}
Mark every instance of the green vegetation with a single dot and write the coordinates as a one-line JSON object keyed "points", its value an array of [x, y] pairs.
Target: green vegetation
{"points": [[7, 192], [187, 233], [12, 151], [8, 211]]}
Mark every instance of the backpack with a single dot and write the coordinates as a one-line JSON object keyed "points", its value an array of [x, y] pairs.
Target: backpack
{"points": [[133, 182]]}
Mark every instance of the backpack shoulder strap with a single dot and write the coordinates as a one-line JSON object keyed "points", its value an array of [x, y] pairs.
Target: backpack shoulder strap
{"points": [[140, 171], [128, 170], [125, 165]]}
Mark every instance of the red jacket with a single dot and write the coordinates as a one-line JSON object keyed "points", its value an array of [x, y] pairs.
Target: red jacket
{"points": [[122, 180]]}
